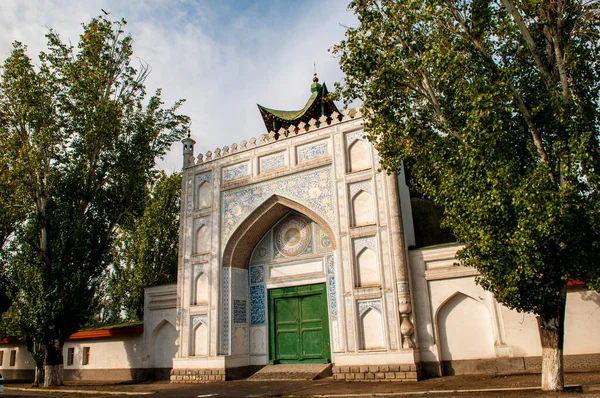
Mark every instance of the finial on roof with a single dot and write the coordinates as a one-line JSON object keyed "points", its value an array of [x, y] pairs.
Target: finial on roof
{"points": [[189, 134], [315, 79]]}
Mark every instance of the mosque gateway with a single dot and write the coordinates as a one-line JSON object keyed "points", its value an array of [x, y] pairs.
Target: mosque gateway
{"points": [[295, 249]]}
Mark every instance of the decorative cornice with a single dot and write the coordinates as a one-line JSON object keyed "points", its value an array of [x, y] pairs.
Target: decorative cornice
{"points": [[282, 134]]}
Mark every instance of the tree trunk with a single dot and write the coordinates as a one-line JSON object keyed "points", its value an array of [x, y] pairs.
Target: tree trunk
{"points": [[53, 375], [54, 364], [39, 376], [552, 328]]}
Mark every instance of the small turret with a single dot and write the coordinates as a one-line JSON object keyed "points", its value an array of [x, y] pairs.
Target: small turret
{"points": [[188, 150]]}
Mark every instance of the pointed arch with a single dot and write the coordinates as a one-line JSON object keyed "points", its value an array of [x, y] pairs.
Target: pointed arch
{"points": [[367, 268], [244, 239], [200, 339], [372, 334], [202, 239], [201, 289], [464, 329], [362, 208], [203, 196], [163, 340], [359, 156]]}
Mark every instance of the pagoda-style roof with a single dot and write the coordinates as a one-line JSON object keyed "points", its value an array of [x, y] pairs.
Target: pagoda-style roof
{"points": [[317, 105]]}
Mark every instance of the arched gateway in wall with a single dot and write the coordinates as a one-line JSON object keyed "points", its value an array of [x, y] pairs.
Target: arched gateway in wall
{"points": [[279, 283], [292, 251]]}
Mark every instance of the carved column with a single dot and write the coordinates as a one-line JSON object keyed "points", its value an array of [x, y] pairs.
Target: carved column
{"points": [[400, 262]]}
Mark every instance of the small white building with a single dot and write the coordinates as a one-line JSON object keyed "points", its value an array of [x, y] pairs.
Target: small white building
{"points": [[130, 351]]}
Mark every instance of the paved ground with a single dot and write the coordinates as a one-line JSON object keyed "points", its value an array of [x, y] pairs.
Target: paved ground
{"points": [[524, 385]]}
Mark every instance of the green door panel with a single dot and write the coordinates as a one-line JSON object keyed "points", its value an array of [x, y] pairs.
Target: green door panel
{"points": [[298, 324], [287, 328]]}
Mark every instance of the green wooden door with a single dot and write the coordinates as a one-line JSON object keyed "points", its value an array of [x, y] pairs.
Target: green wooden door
{"points": [[298, 324]]}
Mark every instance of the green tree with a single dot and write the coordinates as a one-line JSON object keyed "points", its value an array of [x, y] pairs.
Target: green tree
{"points": [[145, 254], [79, 142], [496, 105]]}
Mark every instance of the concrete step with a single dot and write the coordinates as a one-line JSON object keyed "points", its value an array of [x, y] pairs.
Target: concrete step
{"points": [[305, 371]]}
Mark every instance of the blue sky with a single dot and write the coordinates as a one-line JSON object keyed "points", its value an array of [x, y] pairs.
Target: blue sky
{"points": [[223, 57]]}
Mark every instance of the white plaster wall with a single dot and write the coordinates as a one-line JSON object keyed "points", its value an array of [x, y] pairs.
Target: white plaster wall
{"points": [[23, 360], [436, 280], [110, 353], [159, 311], [582, 322]]}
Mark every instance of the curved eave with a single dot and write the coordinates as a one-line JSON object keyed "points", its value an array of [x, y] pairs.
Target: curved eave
{"points": [[289, 116]]}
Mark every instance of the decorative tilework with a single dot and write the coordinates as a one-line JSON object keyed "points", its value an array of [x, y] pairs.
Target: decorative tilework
{"points": [[239, 283], [311, 189], [330, 264], [198, 222], [292, 236], [262, 250], [225, 334], [360, 186], [272, 162], [313, 151], [332, 297], [235, 172], [361, 243], [239, 311], [257, 304], [359, 135], [257, 274], [200, 178], [365, 305], [324, 240], [190, 193], [199, 319]]}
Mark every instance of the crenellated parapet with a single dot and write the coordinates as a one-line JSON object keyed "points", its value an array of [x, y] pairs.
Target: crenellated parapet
{"points": [[264, 139]]}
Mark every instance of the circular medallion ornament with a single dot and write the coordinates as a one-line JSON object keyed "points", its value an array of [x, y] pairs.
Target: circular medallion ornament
{"points": [[292, 236]]}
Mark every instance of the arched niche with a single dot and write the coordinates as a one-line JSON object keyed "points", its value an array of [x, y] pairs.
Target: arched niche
{"points": [[201, 289], [164, 337], [201, 340], [367, 268], [244, 239], [359, 156], [204, 196], [464, 329], [202, 240], [362, 208], [371, 326]]}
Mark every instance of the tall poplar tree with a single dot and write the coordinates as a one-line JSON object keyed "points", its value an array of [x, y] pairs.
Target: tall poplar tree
{"points": [[79, 142], [496, 105]]}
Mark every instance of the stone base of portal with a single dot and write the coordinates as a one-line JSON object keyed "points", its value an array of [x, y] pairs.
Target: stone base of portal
{"points": [[190, 376], [401, 372]]}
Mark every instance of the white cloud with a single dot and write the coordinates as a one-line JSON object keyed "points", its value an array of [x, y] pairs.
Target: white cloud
{"points": [[222, 57]]}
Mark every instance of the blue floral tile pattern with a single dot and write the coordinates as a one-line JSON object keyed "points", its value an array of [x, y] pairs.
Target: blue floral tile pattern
{"points": [[330, 266], [312, 189], [272, 162], [332, 297], [235, 172], [200, 178], [257, 304], [313, 151], [257, 274], [239, 311], [225, 340]]}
